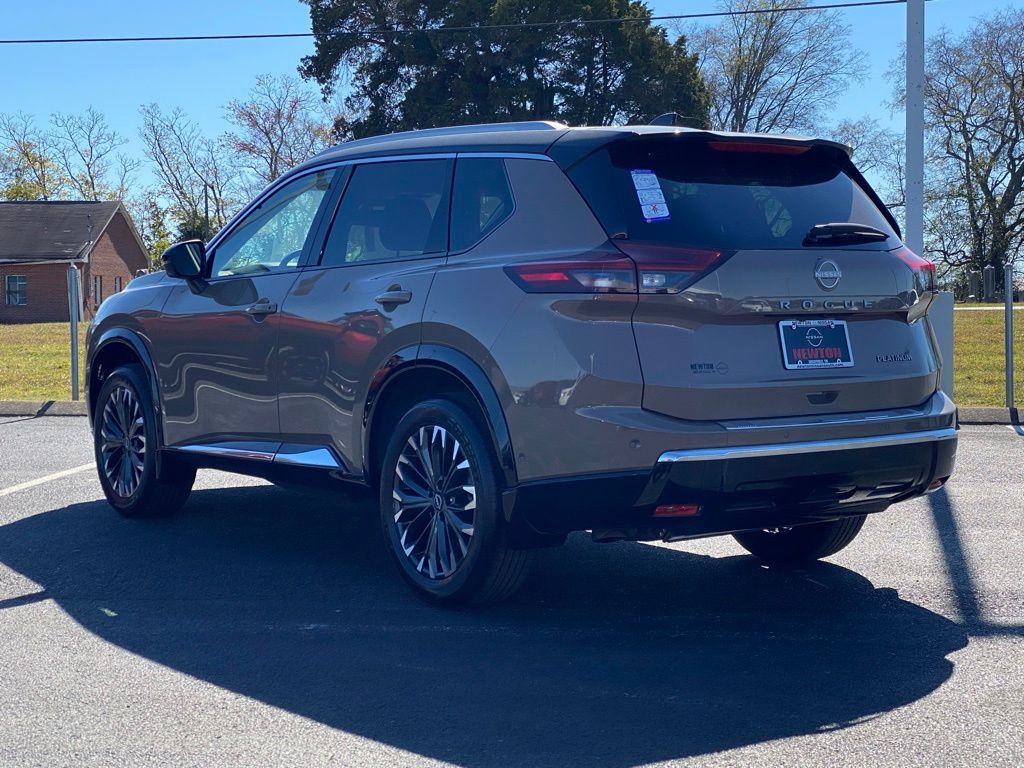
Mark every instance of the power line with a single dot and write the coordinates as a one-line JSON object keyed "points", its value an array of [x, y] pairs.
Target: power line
{"points": [[449, 30]]}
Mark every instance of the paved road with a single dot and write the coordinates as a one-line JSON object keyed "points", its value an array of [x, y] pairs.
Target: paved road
{"points": [[265, 627]]}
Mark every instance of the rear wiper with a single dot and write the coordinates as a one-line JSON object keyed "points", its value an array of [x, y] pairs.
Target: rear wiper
{"points": [[841, 233]]}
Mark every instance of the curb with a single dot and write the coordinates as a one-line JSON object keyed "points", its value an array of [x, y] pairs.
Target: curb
{"points": [[989, 416], [33, 408]]}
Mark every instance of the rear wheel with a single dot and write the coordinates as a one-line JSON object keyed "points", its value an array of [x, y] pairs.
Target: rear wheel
{"points": [[441, 512], [801, 543], [125, 442]]}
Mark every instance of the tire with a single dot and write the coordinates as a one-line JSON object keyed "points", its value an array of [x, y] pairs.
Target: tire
{"points": [[802, 543], [425, 535], [135, 489]]}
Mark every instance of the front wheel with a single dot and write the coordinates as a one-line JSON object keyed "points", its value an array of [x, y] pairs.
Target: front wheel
{"points": [[441, 512], [125, 441], [803, 542]]}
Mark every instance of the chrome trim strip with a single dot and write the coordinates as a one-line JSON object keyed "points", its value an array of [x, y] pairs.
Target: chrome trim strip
{"points": [[393, 158], [236, 451], [509, 155], [307, 456], [814, 446], [938, 403]]}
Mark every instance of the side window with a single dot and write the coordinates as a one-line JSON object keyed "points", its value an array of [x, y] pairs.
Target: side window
{"points": [[481, 200], [16, 290], [391, 210], [273, 236]]}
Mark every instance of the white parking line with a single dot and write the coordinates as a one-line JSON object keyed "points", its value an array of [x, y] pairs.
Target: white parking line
{"points": [[44, 479]]}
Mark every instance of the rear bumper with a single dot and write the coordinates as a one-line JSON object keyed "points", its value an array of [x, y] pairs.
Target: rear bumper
{"points": [[741, 487]]}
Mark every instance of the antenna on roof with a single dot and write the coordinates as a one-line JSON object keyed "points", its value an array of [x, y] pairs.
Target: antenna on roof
{"points": [[671, 118]]}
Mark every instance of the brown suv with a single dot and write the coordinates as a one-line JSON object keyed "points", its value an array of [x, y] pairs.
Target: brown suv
{"points": [[515, 331]]}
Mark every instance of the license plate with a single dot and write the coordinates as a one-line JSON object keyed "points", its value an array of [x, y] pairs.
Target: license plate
{"points": [[810, 344]]}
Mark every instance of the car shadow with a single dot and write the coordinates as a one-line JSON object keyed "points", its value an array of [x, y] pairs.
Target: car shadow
{"points": [[612, 655]]}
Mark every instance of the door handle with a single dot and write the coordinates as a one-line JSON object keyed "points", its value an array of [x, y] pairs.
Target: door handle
{"points": [[261, 308], [394, 295]]}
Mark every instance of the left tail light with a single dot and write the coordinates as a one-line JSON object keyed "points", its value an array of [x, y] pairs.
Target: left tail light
{"points": [[669, 268], [639, 268], [603, 275]]}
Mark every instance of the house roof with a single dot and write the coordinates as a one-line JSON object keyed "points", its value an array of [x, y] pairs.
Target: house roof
{"points": [[51, 230]]}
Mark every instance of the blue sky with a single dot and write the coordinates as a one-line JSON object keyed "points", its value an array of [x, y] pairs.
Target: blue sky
{"points": [[201, 77]]}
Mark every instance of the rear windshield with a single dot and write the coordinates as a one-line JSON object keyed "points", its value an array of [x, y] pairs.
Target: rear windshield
{"points": [[684, 192]]}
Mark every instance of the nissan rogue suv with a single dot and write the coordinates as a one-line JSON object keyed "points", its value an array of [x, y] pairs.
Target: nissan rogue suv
{"points": [[511, 332]]}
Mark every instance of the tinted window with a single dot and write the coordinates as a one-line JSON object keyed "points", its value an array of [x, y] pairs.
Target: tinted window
{"points": [[391, 210], [273, 236], [481, 200], [685, 192]]}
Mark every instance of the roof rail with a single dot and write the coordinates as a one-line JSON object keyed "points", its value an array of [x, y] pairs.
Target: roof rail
{"points": [[458, 130]]}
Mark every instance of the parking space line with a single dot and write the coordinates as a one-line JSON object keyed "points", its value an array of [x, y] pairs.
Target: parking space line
{"points": [[45, 479]]}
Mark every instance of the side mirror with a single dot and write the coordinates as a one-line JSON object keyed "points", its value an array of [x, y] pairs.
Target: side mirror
{"points": [[185, 259]]}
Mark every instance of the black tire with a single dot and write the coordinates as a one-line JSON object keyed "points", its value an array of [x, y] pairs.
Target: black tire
{"points": [[803, 542], [143, 493], [489, 570]]}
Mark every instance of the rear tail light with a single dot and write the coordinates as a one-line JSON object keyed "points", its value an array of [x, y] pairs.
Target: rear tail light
{"points": [[606, 275], [668, 268], [924, 270], [644, 268]]}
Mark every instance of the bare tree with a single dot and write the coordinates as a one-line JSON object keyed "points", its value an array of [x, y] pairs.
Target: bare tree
{"points": [[279, 125], [195, 176], [974, 102], [779, 71], [85, 147], [30, 167], [879, 154]]}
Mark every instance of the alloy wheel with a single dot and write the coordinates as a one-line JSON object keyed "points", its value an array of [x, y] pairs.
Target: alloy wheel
{"points": [[434, 494], [123, 441]]}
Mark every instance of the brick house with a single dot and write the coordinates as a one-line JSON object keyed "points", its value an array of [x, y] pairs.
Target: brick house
{"points": [[38, 240]]}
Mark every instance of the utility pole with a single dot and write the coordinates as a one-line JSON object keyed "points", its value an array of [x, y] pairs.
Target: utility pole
{"points": [[74, 314], [206, 211], [914, 235]]}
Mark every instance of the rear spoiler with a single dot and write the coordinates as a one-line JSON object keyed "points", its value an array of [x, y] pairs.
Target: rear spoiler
{"points": [[576, 143]]}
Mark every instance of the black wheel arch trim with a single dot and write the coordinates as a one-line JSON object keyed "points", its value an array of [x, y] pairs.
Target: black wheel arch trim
{"points": [[468, 372], [126, 336]]}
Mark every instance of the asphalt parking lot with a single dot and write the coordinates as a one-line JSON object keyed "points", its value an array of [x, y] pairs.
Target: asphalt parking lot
{"points": [[265, 627]]}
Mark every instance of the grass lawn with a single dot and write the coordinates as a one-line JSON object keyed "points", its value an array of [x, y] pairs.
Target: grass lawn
{"points": [[35, 362], [978, 376]]}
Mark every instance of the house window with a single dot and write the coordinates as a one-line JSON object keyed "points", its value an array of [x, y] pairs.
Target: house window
{"points": [[97, 291], [117, 284], [16, 291]]}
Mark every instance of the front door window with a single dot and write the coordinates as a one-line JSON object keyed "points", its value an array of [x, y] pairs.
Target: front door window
{"points": [[273, 235]]}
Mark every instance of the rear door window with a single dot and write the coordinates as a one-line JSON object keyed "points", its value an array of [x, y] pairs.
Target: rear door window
{"points": [[687, 192], [391, 210], [481, 200]]}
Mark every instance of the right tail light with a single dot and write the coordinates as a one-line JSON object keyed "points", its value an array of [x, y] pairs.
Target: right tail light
{"points": [[924, 270]]}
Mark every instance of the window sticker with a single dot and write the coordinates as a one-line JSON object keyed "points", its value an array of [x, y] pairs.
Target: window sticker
{"points": [[648, 192]]}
